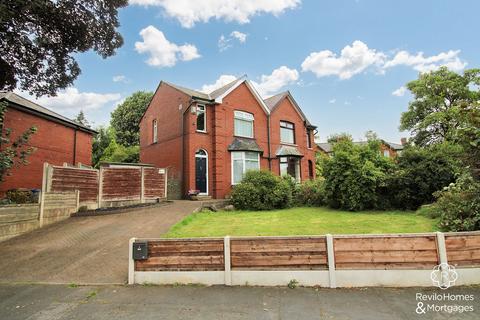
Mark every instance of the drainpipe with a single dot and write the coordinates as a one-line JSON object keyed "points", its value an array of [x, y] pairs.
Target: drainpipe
{"points": [[74, 146], [268, 142]]}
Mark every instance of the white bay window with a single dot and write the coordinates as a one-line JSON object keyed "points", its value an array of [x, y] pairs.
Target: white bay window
{"points": [[243, 162], [243, 124]]}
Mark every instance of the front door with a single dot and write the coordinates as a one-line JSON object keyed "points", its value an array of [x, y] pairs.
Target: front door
{"points": [[201, 174]]}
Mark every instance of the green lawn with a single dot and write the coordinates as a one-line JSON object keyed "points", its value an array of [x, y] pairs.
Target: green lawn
{"points": [[299, 221]]}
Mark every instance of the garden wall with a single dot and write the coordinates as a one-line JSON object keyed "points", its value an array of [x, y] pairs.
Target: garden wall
{"points": [[329, 261], [109, 186], [22, 218]]}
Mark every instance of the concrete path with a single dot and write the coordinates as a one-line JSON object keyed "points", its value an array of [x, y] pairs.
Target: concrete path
{"points": [[85, 250], [56, 302]]}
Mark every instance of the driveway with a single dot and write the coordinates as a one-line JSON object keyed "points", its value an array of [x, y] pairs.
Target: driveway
{"points": [[35, 302], [85, 250]]}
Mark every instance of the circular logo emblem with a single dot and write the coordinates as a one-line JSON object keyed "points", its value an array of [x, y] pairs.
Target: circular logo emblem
{"points": [[444, 276]]}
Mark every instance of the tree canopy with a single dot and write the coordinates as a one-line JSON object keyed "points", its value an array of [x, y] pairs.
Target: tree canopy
{"points": [[126, 118], [38, 38], [434, 115], [81, 119]]}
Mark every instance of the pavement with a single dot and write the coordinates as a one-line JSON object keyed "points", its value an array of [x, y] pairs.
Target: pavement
{"points": [[56, 302], [85, 250]]}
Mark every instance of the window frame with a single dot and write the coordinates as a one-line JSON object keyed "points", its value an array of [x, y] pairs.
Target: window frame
{"points": [[298, 169], [237, 115], [309, 139], [243, 158], [204, 118], [284, 125], [154, 131]]}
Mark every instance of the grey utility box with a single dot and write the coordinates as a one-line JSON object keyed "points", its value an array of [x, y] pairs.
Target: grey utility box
{"points": [[140, 250]]}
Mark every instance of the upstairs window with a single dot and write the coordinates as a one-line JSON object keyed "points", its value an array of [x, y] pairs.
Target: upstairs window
{"points": [[386, 153], [243, 123], [201, 119], [155, 131], [309, 139], [287, 132]]}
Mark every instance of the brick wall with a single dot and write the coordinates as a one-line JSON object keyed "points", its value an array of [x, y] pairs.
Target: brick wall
{"points": [[54, 144]]}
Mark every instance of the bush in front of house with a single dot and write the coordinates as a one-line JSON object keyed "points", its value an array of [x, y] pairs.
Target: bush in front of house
{"points": [[459, 205], [355, 175], [310, 193], [261, 190], [419, 173]]}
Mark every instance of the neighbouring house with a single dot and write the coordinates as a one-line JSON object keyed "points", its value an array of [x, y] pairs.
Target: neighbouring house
{"points": [[208, 141], [58, 140], [388, 149]]}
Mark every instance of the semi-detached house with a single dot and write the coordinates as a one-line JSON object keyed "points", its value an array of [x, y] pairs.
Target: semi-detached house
{"points": [[209, 141]]}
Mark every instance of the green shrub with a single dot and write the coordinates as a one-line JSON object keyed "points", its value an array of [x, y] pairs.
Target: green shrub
{"points": [[261, 190], [459, 205], [429, 210], [311, 193], [19, 196]]}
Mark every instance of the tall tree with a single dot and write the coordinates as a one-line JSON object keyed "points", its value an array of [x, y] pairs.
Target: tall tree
{"points": [[81, 119], [38, 38], [13, 152], [126, 118], [434, 114]]}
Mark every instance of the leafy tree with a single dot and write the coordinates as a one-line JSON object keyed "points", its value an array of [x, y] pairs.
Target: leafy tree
{"points": [[468, 136], [355, 174], [100, 143], [38, 40], [420, 172], [12, 153], [434, 115], [126, 118], [116, 152], [81, 119]]}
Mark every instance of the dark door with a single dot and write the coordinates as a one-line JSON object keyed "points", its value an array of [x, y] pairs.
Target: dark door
{"points": [[201, 174]]}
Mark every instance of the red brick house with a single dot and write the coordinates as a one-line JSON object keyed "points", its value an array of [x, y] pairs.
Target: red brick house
{"points": [[208, 141], [58, 140]]}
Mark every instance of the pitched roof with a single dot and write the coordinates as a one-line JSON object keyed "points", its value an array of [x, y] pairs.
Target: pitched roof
{"points": [[244, 144], [274, 100], [325, 146], [202, 95], [32, 107], [283, 151]]}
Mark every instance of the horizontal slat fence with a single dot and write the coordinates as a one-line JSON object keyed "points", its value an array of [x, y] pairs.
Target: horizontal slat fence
{"points": [[463, 250], [154, 182], [386, 252], [349, 260], [183, 255], [121, 184], [62, 179], [286, 253]]}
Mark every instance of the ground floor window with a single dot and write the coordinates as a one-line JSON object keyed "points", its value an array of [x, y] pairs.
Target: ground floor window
{"points": [[242, 162], [290, 166]]}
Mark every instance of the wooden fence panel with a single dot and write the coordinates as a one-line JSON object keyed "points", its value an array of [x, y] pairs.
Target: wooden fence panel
{"points": [[121, 184], [279, 253], [463, 250], [154, 183], [183, 255], [387, 252], [70, 179]]}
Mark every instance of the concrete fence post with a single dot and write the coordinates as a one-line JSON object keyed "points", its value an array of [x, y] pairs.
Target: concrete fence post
{"points": [[331, 261], [142, 186], [226, 260], [131, 262], [442, 255], [42, 193], [100, 187], [166, 182], [77, 197]]}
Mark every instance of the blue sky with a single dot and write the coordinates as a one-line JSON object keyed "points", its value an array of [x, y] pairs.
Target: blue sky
{"points": [[341, 59]]}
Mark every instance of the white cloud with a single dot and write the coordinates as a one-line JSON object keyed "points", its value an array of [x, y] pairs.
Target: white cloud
{"points": [[279, 78], [225, 43], [347, 103], [220, 82], [240, 36], [120, 78], [190, 12], [358, 57], [163, 53], [332, 100], [72, 100], [421, 63], [352, 60], [400, 92]]}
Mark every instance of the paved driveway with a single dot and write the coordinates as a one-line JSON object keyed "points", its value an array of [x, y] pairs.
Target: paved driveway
{"points": [[85, 250]]}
